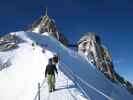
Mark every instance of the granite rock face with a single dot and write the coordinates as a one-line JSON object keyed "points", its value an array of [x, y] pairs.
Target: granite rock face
{"points": [[91, 46], [46, 24]]}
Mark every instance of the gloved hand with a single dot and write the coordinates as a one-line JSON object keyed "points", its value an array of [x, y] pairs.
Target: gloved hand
{"points": [[57, 74]]}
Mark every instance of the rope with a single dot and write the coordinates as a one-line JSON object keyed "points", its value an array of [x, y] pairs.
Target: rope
{"points": [[95, 89], [44, 80], [73, 77], [88, 85]]}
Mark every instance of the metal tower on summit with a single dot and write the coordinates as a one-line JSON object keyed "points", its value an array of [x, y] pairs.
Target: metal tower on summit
{"points": [[47, 24], [46, 12]]}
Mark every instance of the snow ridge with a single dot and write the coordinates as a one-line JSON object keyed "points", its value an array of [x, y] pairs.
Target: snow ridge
{"points": [[77, 79]]}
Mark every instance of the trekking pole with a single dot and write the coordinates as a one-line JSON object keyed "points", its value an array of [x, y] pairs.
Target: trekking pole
{"points": [[38, 91], [67, 83]]}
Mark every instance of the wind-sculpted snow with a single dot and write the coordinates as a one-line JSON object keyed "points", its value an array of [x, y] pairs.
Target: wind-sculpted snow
{"points": [[19, 81], [82, 69], [5, 60]]}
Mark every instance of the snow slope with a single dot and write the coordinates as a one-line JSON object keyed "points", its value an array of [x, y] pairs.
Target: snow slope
{"points": [[19, 81], [65, 90]]}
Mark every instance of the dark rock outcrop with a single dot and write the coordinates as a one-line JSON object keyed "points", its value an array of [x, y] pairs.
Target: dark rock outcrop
{"points": [[46, 24], [8, 42], [91, 46]]}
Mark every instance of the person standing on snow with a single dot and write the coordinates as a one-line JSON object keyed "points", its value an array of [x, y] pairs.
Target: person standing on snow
{"points": [[55, 59], [50, 74]]}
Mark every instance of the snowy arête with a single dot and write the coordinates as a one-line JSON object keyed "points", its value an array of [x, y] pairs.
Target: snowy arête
{"points": [[23, 59]]}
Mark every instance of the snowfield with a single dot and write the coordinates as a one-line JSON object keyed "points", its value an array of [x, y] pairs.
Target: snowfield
{"points": [[77, 79]]}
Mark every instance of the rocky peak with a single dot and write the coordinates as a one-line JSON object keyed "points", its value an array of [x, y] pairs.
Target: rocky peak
{"points": [[91, 46], [46, 24]]}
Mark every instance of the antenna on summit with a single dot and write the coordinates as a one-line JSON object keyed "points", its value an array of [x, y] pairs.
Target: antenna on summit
{"points": [[46, 11]]}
